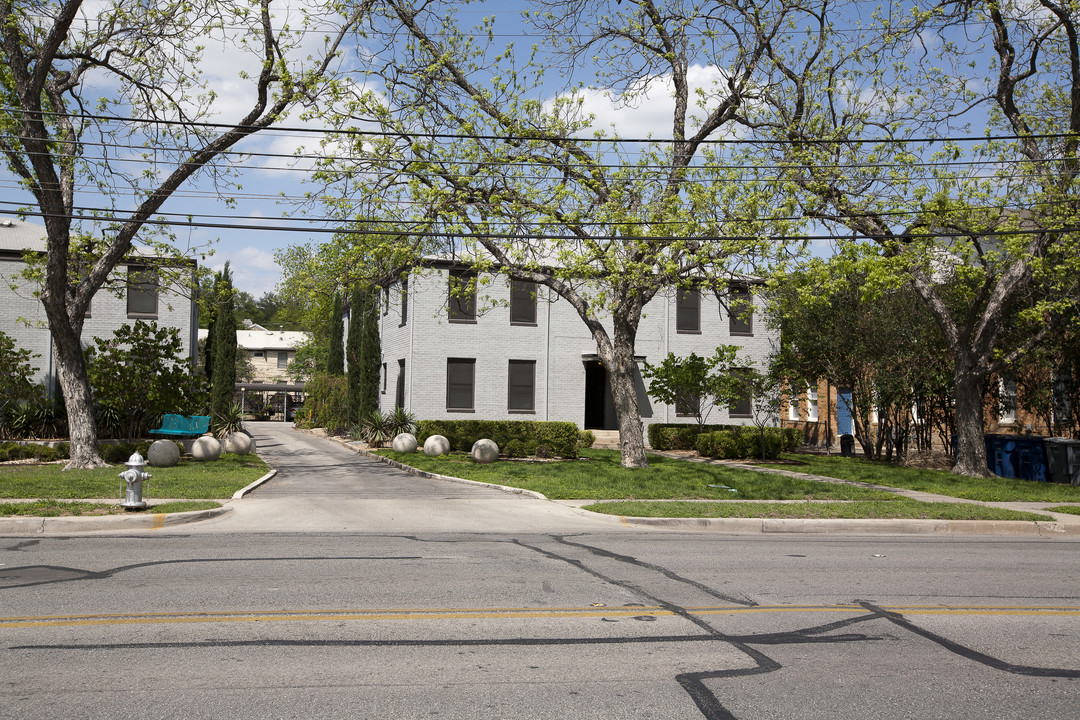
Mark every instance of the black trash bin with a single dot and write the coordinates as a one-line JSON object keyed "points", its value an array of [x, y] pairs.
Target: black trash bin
{"points": [[847, 445], [1062, 460]]}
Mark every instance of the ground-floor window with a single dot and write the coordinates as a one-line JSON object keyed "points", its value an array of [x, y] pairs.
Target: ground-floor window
{"points": [[460, 384], [522, 386]]}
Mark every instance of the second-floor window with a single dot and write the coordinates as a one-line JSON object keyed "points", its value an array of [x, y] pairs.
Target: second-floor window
{"points": [[522, 302], [688, 311], [404, 300], [142, 292], [283, 359], [462, 296], [740, 311]]}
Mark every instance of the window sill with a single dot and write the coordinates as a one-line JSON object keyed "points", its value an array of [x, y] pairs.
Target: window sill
{"points": [[740, 417], [142, 316], [741, 334], [521, 412], [523, 324], [687, 332], [461, 321], [460, 410]]}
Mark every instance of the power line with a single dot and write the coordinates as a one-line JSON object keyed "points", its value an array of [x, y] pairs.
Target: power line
{"points": [[111, 215], [573, 238], [589, 140], [482, 163]]}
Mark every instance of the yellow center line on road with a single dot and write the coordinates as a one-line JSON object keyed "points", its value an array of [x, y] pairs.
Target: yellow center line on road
{"points": [[504, 613]]}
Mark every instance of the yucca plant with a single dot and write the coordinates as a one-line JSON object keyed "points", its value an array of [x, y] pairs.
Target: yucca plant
{"points": [[376, 428], [401, 421], [229, 421]]}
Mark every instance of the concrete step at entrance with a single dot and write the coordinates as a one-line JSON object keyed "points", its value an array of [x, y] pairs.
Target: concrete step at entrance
{"points": [[606, 439]]}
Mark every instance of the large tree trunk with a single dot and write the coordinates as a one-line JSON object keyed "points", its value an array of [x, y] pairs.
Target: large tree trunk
{"points": [[624, 394], [71, 373], [971, 448], [617, 356]]}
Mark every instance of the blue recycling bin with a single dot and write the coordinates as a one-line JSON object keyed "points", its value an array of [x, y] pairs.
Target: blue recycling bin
{"points": [[1030, 458]]}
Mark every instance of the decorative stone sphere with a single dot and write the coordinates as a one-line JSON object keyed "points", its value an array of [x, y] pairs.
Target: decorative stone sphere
{"points": [[206, 448], [404, 443], [163, 453], [485, 451], [436, 445], [238, 443]]}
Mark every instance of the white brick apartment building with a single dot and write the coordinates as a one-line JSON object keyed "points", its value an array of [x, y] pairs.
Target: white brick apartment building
{"points": [[143, 294], [527, 354]]}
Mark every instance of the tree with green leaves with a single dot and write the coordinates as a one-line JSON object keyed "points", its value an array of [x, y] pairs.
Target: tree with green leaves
{"points": [[695, 385], [335, 361], [879, 342], [15, 374], [141, 373], [868, 135], [223, 380], [370, 355], [517, 181], [138, 65], [354, 354]]}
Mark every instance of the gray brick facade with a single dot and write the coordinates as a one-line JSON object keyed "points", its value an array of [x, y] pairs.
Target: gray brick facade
{"points": [[558, 343], [22, 315]]}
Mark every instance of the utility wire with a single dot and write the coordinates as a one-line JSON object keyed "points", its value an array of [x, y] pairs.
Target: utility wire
{"points": [[515, 237], [525, 138]]}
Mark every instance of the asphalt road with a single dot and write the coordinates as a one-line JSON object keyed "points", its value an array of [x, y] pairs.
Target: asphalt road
{"points": [[430, 616]]}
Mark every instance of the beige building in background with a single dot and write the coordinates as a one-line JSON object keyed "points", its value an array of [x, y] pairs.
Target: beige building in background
{"points": [[269, 351]]}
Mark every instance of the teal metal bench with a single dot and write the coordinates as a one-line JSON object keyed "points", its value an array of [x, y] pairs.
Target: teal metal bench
{"points": [[183, 426]]}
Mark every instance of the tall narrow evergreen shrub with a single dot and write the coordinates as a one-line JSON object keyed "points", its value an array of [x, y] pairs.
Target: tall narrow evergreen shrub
{"points": [[370, 355], [354, 353], [335, 361], [223, 381]]}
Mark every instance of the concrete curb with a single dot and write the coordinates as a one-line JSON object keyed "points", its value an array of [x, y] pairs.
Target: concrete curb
{"points": [[104, 523], [937, 528], [245, 490], [781, 526]]}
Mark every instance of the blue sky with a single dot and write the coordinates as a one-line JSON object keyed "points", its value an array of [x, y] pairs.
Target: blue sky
{"points": [[264, 180]]}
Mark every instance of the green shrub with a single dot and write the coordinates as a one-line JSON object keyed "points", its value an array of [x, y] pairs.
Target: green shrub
{"points": [[743, 442], [118, 453], [326, 403], [586, 439], [44, 453], [533, 437]]}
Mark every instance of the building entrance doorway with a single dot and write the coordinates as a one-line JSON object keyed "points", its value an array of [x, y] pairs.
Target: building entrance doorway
{"points": [[596, 383]]}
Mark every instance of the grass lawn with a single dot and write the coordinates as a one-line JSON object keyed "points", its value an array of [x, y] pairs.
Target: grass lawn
{"points": [[598, 475], [186, 481], [898, 509], [992, 489], [1070, 509]]}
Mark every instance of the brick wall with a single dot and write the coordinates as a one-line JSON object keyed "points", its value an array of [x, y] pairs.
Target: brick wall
{"points": [[559, 344]]}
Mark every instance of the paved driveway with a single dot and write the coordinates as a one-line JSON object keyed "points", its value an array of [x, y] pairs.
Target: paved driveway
{"points": [[323, 486]]}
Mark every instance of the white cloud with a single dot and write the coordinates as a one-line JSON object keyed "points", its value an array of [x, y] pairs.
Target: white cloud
{"points": [[647, 109], [253, 269]]}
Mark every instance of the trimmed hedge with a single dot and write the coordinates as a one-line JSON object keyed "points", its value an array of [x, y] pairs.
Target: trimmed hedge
{"points": [[724, 441], [515, 438], [32, 451]]}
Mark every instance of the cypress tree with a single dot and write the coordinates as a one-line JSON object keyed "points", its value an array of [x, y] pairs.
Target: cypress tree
{"points": [[208, 348], [370, 355], [223, 382], [335, 362], [354, 352]]}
